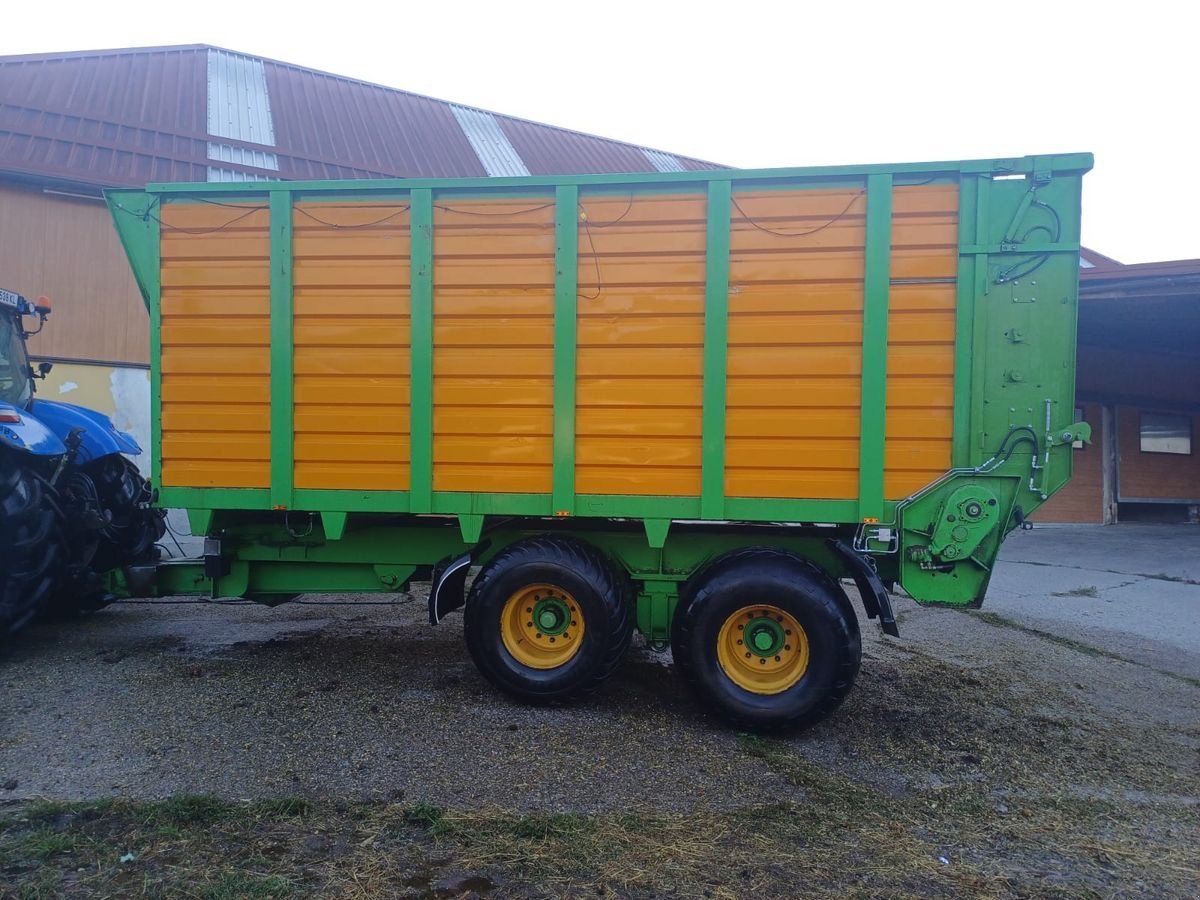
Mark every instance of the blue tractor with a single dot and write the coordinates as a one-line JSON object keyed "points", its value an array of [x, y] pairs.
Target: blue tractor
{"points": [[73, 506]]}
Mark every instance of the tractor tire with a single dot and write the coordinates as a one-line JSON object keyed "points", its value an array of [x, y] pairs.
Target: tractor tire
{"points": [[767, 641], [31, 542], [130, 536], [135, 527], [549, 619]]}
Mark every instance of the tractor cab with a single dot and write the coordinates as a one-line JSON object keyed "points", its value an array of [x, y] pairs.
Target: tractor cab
{"points": [[16, 374]]}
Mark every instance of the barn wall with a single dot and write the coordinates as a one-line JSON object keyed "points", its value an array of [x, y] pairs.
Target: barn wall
{"points": [[67, 249]]}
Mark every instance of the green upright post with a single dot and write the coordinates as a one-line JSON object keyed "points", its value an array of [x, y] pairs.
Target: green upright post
{"points": [[153, 296], [964, 320], [716, 347], [421, 343], [282, 361], [566, 278], [876, 287]]}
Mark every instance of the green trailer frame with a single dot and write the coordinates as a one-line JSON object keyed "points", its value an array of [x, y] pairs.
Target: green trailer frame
{"points": [[1013, 417]]}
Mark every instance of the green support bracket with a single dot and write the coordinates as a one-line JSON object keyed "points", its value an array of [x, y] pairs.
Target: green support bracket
{"points": [[200, 520], [471, 526], [876, 288], [656, 532], [282, 357], [421, 397], [716, 346], [333, 524], [566, 279], [656, 604]]}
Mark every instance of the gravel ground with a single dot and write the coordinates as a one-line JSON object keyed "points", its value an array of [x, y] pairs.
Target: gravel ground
{"points": [[975, 733], [147, 700]]}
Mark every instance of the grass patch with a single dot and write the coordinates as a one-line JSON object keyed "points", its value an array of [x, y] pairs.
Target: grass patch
{"points": [[423, 814], [243, 886], [41, 845], [189, 811]]}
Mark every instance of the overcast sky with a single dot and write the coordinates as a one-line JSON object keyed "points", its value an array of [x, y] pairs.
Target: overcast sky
{"points": [[760, 84]]}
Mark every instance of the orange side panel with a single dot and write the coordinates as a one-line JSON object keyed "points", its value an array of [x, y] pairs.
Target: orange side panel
{"points": [[795, 343], [493, 359], [215, 345], [921, 329], [351, 332], [641, 344]]}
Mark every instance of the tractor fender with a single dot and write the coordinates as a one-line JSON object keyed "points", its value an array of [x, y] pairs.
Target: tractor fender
{"points": [[28, 434], [98, 438]]}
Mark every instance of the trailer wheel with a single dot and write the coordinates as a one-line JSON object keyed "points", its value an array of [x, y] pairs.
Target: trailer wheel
{"points": [[548, 619], [30, 542], [767, 641]]}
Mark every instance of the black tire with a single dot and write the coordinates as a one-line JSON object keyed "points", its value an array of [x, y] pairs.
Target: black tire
{"points": [[135, 527], [129, 536], [771, 578], [30, 543], [605, 600]]}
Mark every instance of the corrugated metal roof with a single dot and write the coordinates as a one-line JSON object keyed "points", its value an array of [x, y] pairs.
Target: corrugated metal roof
{"points": [[126, 117]]}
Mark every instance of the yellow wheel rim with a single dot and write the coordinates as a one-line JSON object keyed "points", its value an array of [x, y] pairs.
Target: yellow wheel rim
{"points": [[763, 649], [542, 626]]}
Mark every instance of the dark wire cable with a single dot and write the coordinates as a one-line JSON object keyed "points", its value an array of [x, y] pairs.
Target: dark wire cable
{"points": [[304, 212], [794, 234]]}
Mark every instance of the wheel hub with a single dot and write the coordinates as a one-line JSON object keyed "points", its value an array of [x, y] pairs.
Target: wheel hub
{"points": [[542, 626], [764, 636], [763, 649], [552, 615]]}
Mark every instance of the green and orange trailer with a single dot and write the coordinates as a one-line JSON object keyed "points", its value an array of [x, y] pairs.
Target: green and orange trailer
{"points": [[694, 404]]}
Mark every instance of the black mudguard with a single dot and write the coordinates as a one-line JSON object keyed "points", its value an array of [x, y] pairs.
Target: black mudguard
{"points": [[449, 589], [876, 600]]}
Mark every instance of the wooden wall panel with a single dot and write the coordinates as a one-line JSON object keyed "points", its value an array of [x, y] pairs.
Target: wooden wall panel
{"points": [[67, 249]]}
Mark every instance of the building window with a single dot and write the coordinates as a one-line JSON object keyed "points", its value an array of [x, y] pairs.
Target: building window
{"points": [[1163, 433]]}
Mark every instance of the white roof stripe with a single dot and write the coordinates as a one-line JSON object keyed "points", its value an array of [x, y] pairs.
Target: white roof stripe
{"points": [[497, 154], [259, 159], [238, 105], [663, 162]]}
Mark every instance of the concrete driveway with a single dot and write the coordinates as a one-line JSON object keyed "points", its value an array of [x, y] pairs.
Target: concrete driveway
{"points": [[1128, 590]]}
